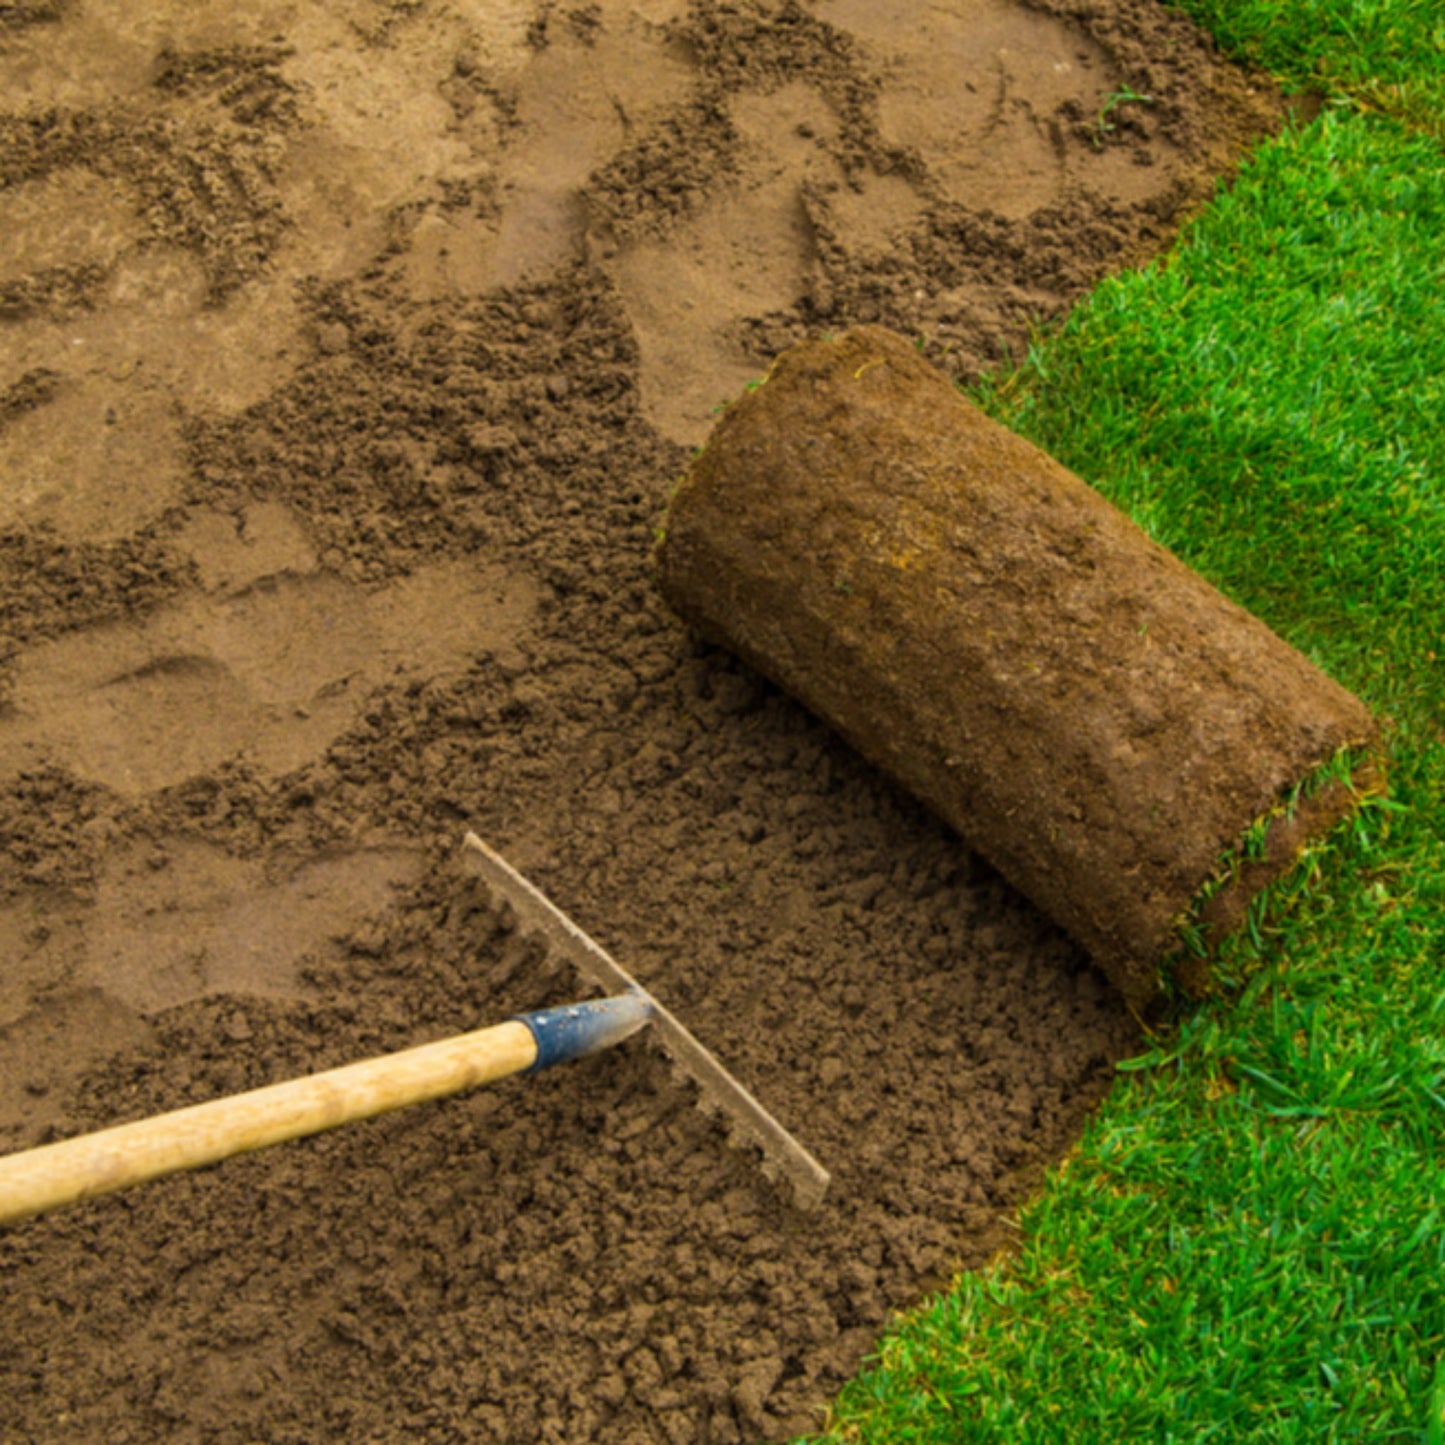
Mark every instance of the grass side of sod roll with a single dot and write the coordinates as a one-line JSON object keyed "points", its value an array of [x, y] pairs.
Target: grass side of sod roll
{"points": [[1249, 1242]]}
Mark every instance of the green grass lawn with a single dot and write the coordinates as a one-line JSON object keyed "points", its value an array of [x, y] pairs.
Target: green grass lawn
{"points": [[1378, 55], [1249, 1242]]}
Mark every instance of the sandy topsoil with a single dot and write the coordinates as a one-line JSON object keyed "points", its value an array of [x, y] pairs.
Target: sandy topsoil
{"points": [[347, 355]]}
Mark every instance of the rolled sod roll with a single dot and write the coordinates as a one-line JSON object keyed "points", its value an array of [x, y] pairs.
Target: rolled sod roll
{"points": [[1132, 750]]}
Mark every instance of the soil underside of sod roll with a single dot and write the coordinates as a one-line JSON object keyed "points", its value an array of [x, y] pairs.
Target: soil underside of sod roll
{"points": [[1092, 716], [346, 361]]}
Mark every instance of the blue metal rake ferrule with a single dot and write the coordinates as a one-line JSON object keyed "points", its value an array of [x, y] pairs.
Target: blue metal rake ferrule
{"points": [[575, 1029]]}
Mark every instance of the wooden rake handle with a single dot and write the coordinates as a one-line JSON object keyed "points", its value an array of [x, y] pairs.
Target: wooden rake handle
{"points": [[74, 1169]]}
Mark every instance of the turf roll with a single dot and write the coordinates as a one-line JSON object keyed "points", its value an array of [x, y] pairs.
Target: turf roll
{"points": [[1135, 752]]}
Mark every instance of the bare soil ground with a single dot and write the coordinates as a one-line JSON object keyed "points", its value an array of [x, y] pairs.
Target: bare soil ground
{"points": [[347, 355]]}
